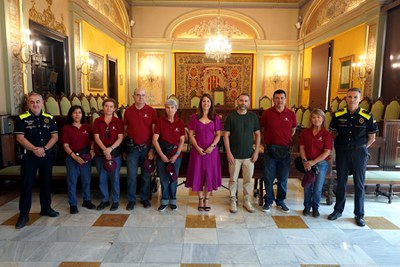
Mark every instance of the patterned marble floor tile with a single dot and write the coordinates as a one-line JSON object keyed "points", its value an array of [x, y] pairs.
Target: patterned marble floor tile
{"points": [[126, 253], [233, 236], [200, 254], [33, 217], [289, 222], [163, 253], [267, 237], [200, 221], [348, 254], [101, 234], [80, 264], [313, 254], [201, 236], [381, 254], [237, 254], [272, 255], [380, 223], [200, 265], [111, 220]]}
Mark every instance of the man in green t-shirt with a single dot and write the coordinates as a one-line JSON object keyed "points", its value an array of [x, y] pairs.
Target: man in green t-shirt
{"points": [[241, 130]]}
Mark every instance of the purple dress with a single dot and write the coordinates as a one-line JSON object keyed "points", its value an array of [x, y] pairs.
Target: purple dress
{"points": [[204, 170]]}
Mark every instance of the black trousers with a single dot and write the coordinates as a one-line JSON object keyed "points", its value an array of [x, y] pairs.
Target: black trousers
{"points": [[29, 167]]}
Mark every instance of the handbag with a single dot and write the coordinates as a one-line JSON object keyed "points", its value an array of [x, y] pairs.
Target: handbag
{"points": [[278, 152], [167, 148]]}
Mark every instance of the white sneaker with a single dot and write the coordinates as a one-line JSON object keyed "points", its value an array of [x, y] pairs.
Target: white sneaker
{"points": [[233, 206], [247, 205]]}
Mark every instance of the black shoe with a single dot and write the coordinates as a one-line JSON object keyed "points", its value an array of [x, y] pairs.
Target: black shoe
{"points": [[360, 220], [283, 207], [306, 212], [88, 204], [73, 210], [49, 212], [334, 215], [21, 223], [103, 205], [266, 207], [114, 206], [130, 205], [315, 213], [146, 204], [162, 207], [173, 207]]}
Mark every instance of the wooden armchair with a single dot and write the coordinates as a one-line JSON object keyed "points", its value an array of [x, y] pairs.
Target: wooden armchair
{"points": [[365, 103], [85, 104], [378, 109], [392, 111], [52, 105], [65, 105], [265, 102], [335, 104]]}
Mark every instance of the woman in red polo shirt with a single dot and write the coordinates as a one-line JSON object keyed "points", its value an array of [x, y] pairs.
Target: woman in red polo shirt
{"points": [[168, 139], [108, 133], [315, 149], [77, 140]]}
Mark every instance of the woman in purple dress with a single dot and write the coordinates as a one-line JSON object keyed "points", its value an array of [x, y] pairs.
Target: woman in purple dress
{"points": [[204, 170]]}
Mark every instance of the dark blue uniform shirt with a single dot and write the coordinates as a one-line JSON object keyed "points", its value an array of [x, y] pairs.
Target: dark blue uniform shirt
{"points": [[353, 129]]}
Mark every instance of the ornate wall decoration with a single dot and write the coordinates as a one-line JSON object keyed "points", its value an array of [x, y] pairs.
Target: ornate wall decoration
{"points": [[206, 28], [329, 10], [276, 74], [371, 54], [16, 66], [109, 9], [151, 77], [47, 18], [195, 75]]}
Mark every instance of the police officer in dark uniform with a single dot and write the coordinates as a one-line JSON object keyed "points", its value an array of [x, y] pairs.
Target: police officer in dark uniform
{"points": [[36, 131], [355, 130]]}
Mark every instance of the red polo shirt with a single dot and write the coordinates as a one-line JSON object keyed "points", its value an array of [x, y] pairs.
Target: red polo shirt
{"points": [[170, 132], [115, 127], [314, 145], [77, 138], [139, 123], [278, 126]]}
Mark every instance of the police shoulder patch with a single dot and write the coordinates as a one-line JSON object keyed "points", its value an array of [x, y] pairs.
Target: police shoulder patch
{"points": [[340, 112], [47, 115], [365, 113], [24, 115]]}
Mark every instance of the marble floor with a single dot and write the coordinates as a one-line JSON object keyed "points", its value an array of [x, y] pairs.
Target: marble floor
{"points": [[187, 237]]}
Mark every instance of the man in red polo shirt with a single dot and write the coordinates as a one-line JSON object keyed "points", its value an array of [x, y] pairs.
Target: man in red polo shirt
{"points": [[139, 122], [279, 124]]}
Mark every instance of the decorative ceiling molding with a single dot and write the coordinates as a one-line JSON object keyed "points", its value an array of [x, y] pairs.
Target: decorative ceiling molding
{"points": [[47, 18], [114, 11]]}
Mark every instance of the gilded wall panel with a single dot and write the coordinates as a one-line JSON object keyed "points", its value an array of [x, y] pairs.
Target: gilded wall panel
{"points": [[276, 74], [151, 77]]}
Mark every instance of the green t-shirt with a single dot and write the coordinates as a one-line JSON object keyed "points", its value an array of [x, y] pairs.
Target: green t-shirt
{"points": [[241, 128]]}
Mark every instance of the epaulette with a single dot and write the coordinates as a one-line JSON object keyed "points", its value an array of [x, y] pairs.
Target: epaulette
{"points": [[24, 115], [340, 112], [47, 115], [365, 113]]}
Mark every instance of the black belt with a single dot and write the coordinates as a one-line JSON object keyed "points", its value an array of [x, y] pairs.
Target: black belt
{"points": [[352, 147]]}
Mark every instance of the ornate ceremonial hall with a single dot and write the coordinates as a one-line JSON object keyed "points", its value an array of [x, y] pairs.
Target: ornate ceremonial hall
{"points": [[81, 52]]}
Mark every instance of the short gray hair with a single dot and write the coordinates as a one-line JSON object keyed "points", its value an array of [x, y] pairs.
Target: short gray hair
{"points": [[171, 102]]}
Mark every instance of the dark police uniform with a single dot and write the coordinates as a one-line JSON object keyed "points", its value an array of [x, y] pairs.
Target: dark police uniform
{"points": [[37, 130], [352, 153]]}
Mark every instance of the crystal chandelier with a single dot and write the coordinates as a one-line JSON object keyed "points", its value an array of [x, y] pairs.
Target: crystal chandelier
{"points": [[218, 47]]}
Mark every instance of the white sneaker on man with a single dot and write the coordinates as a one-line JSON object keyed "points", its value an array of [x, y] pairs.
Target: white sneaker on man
{"points": [[233, 206], [247, 205]]}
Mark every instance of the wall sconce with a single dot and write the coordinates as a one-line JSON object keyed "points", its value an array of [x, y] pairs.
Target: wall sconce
{"points": [[279, 73], [25, 51], [150, 72], [298, 23], [86, 65], [361, 69]]}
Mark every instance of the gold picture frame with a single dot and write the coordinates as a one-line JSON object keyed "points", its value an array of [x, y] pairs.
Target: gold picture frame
{"points": [[345, 73], [96, 80]]}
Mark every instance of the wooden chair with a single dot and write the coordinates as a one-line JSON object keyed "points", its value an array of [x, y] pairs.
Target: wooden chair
{"points": [[65, 105], [94, 115], [378, 109], [335, 104], [52, 105], [100, 101], [194, 101], [265, 102], [365, 103], [342, 104], [174, 98], [75, 101], [85, 104], [299, 115], [306, 119], [392, 111], [328, 119], [93, 103]]}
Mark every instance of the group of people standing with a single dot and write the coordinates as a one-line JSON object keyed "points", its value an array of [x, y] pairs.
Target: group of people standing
{"points": [[142, 138]]}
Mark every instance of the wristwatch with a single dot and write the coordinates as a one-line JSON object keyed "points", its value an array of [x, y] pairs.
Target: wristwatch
{"points": [[304, 160]]}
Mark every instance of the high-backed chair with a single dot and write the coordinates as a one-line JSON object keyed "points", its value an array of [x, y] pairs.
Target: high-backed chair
{"points": [[100, 102], [85, 104], [335, 104], [52, 105], [328, 119], [65, 105], [378, 108], [342, 104], [306, 119], [194, 101], [392, 111], [75, 101], [365, 103], [93, 103], [265, 102], [94, 115], [299, 115], [174, 98]]}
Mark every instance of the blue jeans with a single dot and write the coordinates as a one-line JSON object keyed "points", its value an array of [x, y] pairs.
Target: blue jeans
{"points": [[103, 180], [312, 194], [133, 161], [278, 168], [73, 171], [168, 187]]}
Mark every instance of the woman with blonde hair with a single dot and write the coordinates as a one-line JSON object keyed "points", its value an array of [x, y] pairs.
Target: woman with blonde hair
{"points": [[315, 149]]}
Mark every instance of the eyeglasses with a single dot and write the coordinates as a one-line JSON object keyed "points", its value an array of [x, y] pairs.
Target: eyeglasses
{"points": [[107, 132]]}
